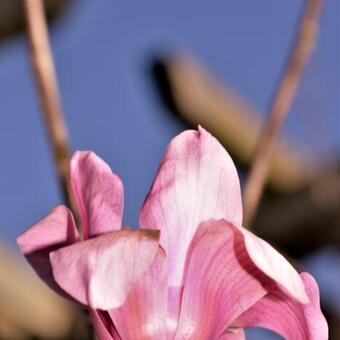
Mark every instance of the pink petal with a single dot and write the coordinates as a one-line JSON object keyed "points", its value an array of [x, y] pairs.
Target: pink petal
{"points": [[220, 282], [54, 231], [273, 264], [196, 181], [100, 272], [233, 334], [98, 193], [104, 329], [143, 315], [286, 316]]}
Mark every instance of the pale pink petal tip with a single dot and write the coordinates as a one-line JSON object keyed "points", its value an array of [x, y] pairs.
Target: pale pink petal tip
{"points": [[54, 231], [196, 181], [100, 272], [98, 193]]}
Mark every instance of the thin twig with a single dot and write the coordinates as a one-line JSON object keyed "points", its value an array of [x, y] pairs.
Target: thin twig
{"points": [[281, 104], [45, 76]]}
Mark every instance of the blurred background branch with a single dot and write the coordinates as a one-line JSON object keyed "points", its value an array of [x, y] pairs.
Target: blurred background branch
{"points": [[46, 80], [282, 101]]}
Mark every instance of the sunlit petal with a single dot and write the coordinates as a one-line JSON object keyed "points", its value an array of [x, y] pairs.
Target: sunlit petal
{"points": [[143, 315], [98, 193], [196, 181], [220, 283], [100, 272]]}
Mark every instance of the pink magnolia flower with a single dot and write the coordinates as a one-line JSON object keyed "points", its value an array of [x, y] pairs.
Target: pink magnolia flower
{"points": [[190, 272]]}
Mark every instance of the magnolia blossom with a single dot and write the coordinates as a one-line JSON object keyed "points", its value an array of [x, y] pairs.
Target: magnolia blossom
{"points": [[191, 271]]}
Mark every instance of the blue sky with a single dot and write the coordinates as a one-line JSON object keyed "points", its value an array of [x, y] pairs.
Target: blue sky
{"points": [[103, 50]]}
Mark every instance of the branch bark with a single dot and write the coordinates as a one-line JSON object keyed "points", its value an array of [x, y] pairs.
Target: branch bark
{"points": [[46, 80], [280, 107]]}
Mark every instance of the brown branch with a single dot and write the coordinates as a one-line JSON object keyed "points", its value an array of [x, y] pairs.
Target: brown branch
{"points": [[281, 104], [45, 76]]}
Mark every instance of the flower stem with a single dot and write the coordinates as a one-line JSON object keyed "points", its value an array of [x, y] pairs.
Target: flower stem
{"points": [[46, 80], [281, 104]]}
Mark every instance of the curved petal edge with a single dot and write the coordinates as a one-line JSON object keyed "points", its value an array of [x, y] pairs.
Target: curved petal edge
{"points": [[98, 192]]}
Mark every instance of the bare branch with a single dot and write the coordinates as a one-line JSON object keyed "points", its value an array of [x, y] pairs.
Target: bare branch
{"points": [[281, 104], [45, 76]]}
